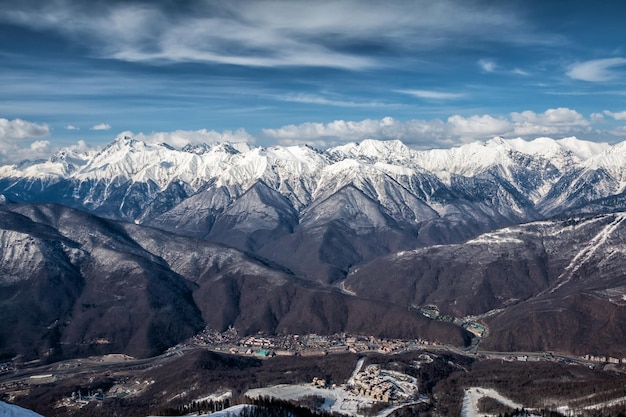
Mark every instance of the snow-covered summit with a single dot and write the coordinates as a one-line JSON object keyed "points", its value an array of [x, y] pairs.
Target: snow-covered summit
{"points": [[474, 158], [389, 151]]}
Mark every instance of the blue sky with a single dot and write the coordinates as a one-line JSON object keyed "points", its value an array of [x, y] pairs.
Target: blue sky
{"points": [[431, 73]]}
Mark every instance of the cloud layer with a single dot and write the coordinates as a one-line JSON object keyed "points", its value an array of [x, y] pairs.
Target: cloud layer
{"points": [[20, 139], [436, 132]]}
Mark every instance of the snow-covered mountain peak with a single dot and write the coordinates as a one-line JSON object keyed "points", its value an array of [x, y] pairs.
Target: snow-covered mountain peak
{"points": [[63, 163], [388, 151], [496, 142], [125, 157], [198, 149], [72, 156], [583, 149], [612, 160], [476, 157], [466, 160], [385, 149]]}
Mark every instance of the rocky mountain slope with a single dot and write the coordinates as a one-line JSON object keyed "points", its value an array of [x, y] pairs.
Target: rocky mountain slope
{"points": [[137, 246], [321, 212], [72, 284], [546, 285]]}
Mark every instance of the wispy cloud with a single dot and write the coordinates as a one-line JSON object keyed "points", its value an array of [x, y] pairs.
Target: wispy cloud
{"points": [[307, 98], [519, 71], [432, 95], [272, 33], [101, 126], [596, 70], [487, 65], [71, 127]]}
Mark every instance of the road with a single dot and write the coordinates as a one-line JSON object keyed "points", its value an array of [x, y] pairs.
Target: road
{"points": [[87, 366]]}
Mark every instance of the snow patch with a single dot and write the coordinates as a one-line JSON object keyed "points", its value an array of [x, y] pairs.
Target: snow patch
{"points": [[216, 397], [336, 400], [474, 394], [495, 238], [10, 410], [588, 251]]}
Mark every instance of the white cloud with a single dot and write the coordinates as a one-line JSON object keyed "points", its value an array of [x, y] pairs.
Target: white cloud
{"points": [[561, 121], [519, 71], [619, 131], [432, 95], [617, 116], [269, 33], [12, 152], [476, 126], [101, 126], [180, 138], [15, 137], [18, 129], [456, 129], [596, 117], [40, 145], [596, 70], [71, 127], [81, 147], [487, 65], [418, 132]]}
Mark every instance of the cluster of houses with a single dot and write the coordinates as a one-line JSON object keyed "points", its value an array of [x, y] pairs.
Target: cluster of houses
{"points": [[304, 345], [605, 359], [371, 384]]}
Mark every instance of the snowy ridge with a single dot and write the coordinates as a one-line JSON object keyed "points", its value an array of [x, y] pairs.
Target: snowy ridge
{"points": [[140, 161], [497, 181]]}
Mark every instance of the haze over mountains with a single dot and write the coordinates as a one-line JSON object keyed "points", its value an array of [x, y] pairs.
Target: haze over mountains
{"points": [[294, 239]]}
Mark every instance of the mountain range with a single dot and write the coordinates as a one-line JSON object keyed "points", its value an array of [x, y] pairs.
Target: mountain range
{"points": [[206, 234]]}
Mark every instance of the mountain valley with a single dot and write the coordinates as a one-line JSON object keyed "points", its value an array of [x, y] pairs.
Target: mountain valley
{"points": [[138, 247]]}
